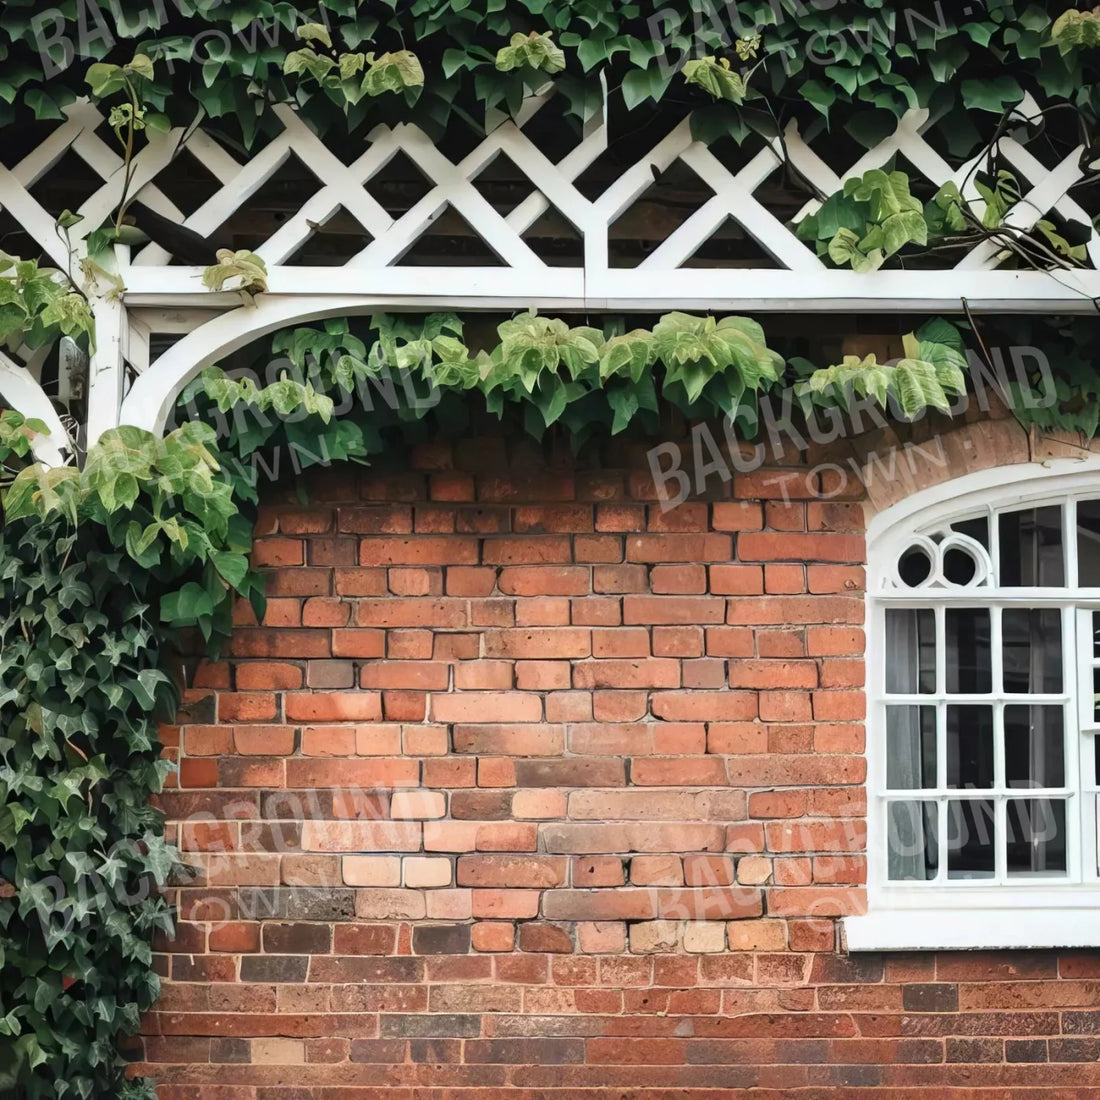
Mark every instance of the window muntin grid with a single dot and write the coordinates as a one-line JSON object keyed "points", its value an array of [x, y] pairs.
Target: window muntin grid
{"points": [[1000, 787]]}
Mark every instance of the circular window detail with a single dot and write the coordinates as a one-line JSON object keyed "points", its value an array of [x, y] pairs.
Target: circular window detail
{"points": [[964, 562], [959, 567]]}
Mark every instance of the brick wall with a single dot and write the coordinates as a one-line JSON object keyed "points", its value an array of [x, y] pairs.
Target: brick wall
{"points": [[525, 786]]}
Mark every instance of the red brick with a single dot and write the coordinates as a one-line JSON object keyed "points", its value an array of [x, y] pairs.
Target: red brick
{"points": [[618, 579], [468, 580], [278, 552], [419, 550], [619, 706], [660, 549], [267, 675], [540, 740], [678, 579], [404, 706], [367, 774], [677, 641], [493, 936], [360, 836], [836, 578], [543, 937], [673, 610], [207, 740], [741, 515], [332, 551], [294, 644], [597, 549], [377, 519], [773, 674], [530, 580], [412, 611], [540, 519], [781, 643], [620, 517], [493, 612], [784, 578], [486, 707], [542, 611], [198, 773], [656, 871], [592, 871], [640, 673], [736, 580], [409, 675], [677, 772], [358, 643], [784, 610], [839, 706], [360, 582], [264, 740], [407, 581], [538, 644], [794, 547], [703, 706], [527, 550], [361, 706], [505, 904]]}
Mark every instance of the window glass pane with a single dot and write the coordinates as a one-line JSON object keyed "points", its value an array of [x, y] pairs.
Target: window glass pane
{"points": [[1034, 746], [910, 651], [970, 830], [1036, 838], [959, 566], [910, 748], [970, 747], [1032, 651], [968, 657], [914, 566], [1088, 543], [914, 845], [977, 529], [1031, 548]]}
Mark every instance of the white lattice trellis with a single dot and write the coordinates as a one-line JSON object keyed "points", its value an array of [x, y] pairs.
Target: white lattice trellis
{"points": [[166, 298]]}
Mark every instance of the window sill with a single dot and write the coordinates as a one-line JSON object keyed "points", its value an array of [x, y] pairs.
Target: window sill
{"points": [[960, 928]]}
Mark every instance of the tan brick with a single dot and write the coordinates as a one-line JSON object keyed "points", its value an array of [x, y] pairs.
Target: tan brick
{"points": [[426, 871], [372, 870], [704, 937], [417, 804]]}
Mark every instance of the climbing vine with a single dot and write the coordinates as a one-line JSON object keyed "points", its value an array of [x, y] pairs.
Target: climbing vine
{"points": [[855, 65], [876, 218]]}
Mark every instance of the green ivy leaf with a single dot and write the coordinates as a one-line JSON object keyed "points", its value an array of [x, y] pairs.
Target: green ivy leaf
{"points": [[714, 75], [536, 51]]}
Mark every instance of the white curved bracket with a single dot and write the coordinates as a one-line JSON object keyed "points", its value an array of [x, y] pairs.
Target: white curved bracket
{"points": [[22, 393], [152, 396]]}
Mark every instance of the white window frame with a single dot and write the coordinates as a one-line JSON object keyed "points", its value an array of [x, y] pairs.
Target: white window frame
{"points": [[1040, 913]]}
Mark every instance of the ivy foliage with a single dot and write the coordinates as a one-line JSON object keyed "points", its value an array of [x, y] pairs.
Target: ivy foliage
{"points": [[876, 218], [38, 304], [931, 372], [81, 849], [347, 77], [98, 565], [856, 65]]}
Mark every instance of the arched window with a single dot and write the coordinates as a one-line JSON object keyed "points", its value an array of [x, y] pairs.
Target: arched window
{"points": [[983, 665]]}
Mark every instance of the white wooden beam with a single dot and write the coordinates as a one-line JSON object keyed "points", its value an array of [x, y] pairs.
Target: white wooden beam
{"points": [[106, 370], [768, 291]]}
